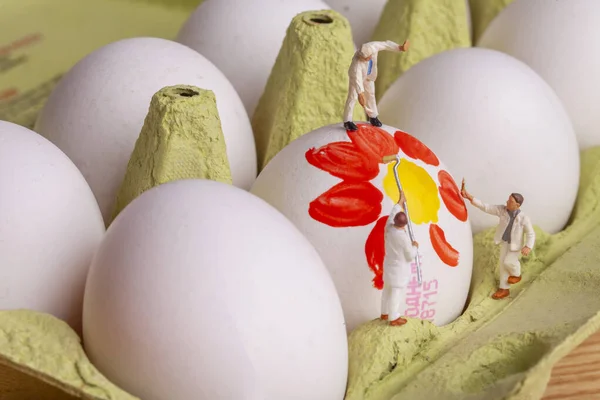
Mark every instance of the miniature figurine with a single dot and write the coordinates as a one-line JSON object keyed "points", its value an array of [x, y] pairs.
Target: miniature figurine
{"points": [[362, 74], [400, 252], [513, 226]]}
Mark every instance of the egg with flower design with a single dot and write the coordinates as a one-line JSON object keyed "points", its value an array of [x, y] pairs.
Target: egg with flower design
{"points": [[335, 186]]}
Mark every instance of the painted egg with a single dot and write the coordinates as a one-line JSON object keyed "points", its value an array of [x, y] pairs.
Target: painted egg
{"points": [[497, 124], [559, 41], [50, 227], [201, 290], [97, 110], [334, 187], [243, 38]]}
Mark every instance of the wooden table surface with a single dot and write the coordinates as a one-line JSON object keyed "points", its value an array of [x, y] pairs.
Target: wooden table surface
{"points": [[577, 376]]}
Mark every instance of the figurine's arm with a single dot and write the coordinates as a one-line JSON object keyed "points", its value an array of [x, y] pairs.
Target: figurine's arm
{"points": [[379, 46], [487, 208], [410, 251], [387, 45], [529, 233]]}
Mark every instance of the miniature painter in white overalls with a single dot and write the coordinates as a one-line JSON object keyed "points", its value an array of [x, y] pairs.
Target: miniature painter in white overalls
{"points": [[362, 74], [400, 252], [514, 234]]}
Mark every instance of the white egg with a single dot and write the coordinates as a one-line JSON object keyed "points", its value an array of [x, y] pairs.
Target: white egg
{"points": [[201, 290], [362, 15], [50, 226], [243, 38], [496, 123], [96, 112], [559, 40], [339, 194]]}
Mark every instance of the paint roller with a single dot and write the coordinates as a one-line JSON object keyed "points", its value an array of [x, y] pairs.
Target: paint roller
{"points": [[387, 160]]}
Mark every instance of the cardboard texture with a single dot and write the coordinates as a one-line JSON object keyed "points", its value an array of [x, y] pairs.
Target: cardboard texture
{"points": [[181, 139]]}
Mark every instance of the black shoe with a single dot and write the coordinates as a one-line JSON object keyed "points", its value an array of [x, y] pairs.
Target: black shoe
{"points": [[350, 126], [375, 121]]}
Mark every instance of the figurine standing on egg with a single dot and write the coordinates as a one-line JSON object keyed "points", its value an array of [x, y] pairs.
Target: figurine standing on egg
{"points": [[400, 252], [514, 226], [362, 74]]}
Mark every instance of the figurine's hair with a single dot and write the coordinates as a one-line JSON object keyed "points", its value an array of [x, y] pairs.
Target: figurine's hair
{"points": [[518, 197], [400, 219]]}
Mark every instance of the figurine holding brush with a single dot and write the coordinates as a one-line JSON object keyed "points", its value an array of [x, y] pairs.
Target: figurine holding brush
{"points": [[514, 226], [362, 74]]}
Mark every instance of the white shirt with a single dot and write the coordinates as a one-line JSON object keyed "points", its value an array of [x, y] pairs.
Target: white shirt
{"points": [[521, 229]]}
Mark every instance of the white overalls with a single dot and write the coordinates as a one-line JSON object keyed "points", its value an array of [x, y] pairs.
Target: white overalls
{"points": [[399, 255], [362, 76]]}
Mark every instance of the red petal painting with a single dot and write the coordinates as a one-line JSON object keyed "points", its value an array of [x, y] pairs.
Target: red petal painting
{"points": [[347, 204], [451, 196], [343, 160], [414, 148], [444, 250], [375, 251], [373, 142]]}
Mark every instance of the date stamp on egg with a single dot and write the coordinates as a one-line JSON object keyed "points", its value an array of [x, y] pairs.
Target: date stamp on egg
{"points": [[421, 300]]}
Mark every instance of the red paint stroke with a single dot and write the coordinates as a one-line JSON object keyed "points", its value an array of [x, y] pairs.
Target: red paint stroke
{"points": [[414, 148], [347, 204], [374, 142], [448, 254], [375, 251], [343, 160], [451, 196]]}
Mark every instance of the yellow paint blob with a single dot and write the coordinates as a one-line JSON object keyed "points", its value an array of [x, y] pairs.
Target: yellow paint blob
{"points": [[420, 190]]}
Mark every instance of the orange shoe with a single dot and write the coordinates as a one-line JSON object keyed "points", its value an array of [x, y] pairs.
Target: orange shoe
{"points": [[500, 294], [398, 322], [514, 279], [384, 317]]}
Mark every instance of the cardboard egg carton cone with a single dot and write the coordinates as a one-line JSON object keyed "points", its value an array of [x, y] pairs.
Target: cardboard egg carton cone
{"points": [[308, 85], [181, 139]]}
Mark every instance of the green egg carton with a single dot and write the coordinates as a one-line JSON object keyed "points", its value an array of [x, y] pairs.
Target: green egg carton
{"points": [[495, 350], [41, 358]]}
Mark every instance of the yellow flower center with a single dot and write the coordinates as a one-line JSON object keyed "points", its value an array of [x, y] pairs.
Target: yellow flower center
{"points": [[420, 191]]}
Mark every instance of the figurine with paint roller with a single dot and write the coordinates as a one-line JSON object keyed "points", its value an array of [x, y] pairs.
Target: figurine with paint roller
{"points": [[401, 249], [362, 74]]}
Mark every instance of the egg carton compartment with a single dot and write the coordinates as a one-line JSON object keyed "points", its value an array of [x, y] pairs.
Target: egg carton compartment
{"points": [[41, 357]]}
